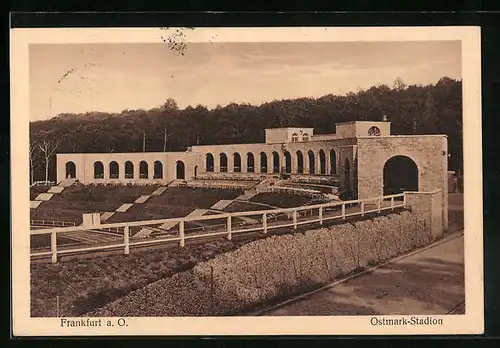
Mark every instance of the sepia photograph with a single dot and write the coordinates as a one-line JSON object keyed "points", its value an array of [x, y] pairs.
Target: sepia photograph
{"points": [[301, 180]]}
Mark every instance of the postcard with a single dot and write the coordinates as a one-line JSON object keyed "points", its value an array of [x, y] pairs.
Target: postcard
{"points": [[246, 181]]}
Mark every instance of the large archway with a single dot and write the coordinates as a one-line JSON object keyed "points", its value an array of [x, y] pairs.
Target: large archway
{"points": [[114, 170], [250, 163], [180, 170], [143, 170], [312, 162], [300, 162], [263, 162], [209, 162], [158, 170], [237, 162], [400, 174], [288, 162], [98, 170], [223, 162], [70, 170], [276, 162], [322, 162], [129, 170], [333, 162]]}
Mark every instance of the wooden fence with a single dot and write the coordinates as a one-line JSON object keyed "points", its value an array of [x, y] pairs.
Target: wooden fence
{"points": [[267, 220], [44, 223]]}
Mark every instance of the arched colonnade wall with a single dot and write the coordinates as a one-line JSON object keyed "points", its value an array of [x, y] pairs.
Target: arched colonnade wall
{"points": [[133, 168]]}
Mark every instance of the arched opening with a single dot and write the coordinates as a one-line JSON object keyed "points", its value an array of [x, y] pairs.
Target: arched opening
{"points": [[250, 163], [322, 162], [400, 174], [129, 170], [114, 170], [143, 170], [195, 171], [288, 162], [223, 162], [276, 162], [70, 170], [374, 131], [347, 175], [300, 162], [158, 170], [333, 162], [263, 162], [237, 162], [180, 170], [209, 162], [98, 170], [312, 162], [305, 137], [295, 137]]}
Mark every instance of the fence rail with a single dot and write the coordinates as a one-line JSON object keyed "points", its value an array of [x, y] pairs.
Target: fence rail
{"points": [[51, 223], [265, 221], [43, 183]]}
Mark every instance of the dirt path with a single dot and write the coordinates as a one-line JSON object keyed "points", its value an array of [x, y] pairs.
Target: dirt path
{"points": [[428, 282]]}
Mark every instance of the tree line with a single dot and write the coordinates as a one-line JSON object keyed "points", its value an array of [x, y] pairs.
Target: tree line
{"points": [[412, 109]]}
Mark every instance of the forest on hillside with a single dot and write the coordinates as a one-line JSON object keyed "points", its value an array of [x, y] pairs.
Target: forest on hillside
{"points": [[412, 109]]}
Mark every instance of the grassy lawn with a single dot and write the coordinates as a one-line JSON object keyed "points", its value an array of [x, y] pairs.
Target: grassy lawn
{"points": [[118, 194], [84, 284], [243, 206], [173, 203], [193, 197], [280, 200], [43, 241]]}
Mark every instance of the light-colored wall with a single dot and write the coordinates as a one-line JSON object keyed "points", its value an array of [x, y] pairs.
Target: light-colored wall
{"points": [[360, 129], [284, 135], [85, 165], [428, 206], [256, 149], [345, 130], [363, 127]]}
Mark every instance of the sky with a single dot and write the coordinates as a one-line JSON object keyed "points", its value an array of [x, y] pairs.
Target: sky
{"points": [[75, 78]]}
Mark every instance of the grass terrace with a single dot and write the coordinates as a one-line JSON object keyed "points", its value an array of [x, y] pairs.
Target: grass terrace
{"points": [[102, 193], [280, 200], [36, 190], [175, 202], [237, 207], [70, 204]]}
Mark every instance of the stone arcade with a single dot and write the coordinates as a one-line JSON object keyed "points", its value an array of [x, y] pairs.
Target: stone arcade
{"points": [[365, 157]]}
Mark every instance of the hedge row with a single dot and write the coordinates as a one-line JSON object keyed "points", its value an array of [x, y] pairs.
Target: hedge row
{"points": [[273, 267]]}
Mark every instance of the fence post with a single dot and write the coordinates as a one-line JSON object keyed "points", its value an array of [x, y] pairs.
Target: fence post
{"points": [[181, 233], [343, 211], [392, 203], [264, 222], [295, 219], [126, 240], [229, 228], [362, 208], [321, 215], [53, 246]]}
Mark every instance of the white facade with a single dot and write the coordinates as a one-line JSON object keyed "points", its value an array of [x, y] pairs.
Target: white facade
{"points": [[286, 135]]}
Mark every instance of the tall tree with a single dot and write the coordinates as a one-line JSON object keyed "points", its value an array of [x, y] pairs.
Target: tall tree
{"points": [[48, 145]]}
